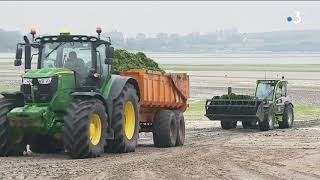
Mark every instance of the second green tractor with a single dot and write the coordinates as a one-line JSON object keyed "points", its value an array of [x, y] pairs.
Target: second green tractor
{"points": [[268, 107]]}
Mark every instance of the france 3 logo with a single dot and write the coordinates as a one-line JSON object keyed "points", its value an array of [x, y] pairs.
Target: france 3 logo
{"points": [[296, 19]]}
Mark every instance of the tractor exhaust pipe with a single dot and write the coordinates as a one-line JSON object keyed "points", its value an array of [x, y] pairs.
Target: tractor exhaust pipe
{"points": [[27, 53]]}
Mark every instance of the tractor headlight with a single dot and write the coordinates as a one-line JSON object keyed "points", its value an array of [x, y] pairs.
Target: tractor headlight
{"points": [[26, 81], [44, 80]]}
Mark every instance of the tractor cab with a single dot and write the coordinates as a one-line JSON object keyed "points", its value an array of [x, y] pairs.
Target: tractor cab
{"points": [[89, 57], [271, 90]]}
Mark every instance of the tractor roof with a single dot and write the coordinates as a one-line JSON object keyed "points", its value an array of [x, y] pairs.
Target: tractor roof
{"points": [[271, 81], [70, 38]]}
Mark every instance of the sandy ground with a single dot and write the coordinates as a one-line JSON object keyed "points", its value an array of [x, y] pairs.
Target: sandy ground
{"points": [[209, 153]]}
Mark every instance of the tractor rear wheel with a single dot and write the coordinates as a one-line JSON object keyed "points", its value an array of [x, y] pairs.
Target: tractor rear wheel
{"points": [[228, 124], [249, 124], [45, 144], [180, 127], [10, 145], [287, 118], [268, 121], [165, 129], [125, 121], [85, 123]]}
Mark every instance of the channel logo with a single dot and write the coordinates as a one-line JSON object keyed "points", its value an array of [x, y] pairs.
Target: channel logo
{"points": [[296, 19]]}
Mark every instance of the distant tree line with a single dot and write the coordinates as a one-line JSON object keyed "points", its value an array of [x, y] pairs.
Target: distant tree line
{"points": [[228, 40], [222, 41]]}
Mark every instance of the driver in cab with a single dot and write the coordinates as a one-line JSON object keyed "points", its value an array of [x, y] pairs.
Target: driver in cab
{"points": [[74, 63]]}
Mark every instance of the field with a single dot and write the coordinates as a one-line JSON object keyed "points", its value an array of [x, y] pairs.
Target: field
{"points": [[209, 152]]}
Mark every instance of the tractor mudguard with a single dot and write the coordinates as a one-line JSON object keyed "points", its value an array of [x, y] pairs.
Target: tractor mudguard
{"points": [[16, 95], [90, 94], [287, 103], [117, 85]]}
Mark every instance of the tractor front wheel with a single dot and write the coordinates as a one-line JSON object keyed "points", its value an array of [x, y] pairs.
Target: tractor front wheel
{"points": [[125, 121], [287, 118], [268, 121], [84, 131], [10, 145]]}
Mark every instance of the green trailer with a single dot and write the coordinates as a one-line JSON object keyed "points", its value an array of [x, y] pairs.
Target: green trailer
{"points": [[270, 105]]}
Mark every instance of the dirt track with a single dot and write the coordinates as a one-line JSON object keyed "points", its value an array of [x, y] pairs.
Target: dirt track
{"points": [[209, 153]]}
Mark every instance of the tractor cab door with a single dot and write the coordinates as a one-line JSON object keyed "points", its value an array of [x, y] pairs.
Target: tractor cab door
{"points": [[280, 97], [102, 68]]}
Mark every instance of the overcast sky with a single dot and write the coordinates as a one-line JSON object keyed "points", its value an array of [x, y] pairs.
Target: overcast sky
{"points": [[154, 17]]}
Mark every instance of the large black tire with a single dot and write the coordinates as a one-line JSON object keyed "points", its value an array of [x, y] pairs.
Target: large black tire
{"points": [[268, 120], [249, 124], [228, 124], [180, 127], [287, 118], [165, 129], [7, 145], [126, 134], [45, 144], [81, 117]]}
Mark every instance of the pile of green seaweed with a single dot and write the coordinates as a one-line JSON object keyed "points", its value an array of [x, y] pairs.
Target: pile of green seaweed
{"points": [[124, 60], [235, 96]]}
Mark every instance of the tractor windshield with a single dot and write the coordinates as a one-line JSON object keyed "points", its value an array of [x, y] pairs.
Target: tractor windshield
{"points": [[72, 55], [265, 91]]}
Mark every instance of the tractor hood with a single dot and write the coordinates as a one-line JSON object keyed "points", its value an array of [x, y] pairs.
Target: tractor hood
{"points": [[47, 72]]}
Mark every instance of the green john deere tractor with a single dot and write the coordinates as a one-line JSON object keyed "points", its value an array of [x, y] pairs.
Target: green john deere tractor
{"points": [[269, 105], [69, 100]]}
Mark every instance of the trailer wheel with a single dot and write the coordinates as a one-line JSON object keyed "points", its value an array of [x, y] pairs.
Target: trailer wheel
{"points": [[165, 129], [10, 145], [84, 128], [226, 124], [268, 121], [45, 144], [249, 124], [180, 127], [125, 121], [287, 118]]}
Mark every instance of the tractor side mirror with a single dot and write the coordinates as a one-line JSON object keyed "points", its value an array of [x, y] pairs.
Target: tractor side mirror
{"points": [[109, 52], [17, 61], [109, 55], [108, 61]]}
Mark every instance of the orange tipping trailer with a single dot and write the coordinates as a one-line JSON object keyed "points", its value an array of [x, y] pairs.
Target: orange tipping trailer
{"points": [[161, 95]]}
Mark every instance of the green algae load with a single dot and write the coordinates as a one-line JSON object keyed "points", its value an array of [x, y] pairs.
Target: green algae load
{"points": [[124, 60], [235, 96]]}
